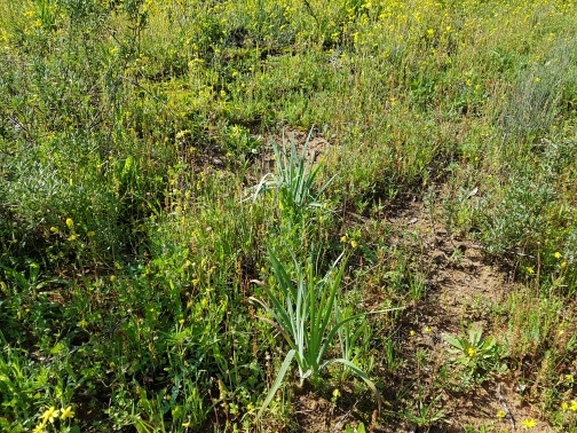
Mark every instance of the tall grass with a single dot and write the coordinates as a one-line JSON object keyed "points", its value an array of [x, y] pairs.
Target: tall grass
{"points": [[308, 315], [132, 132]]}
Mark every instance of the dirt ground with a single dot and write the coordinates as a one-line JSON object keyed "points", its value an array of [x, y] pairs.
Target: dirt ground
{"points": [[462, 286]]}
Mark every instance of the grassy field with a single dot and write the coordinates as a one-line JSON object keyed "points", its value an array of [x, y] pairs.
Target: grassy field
{"points": [[288, 215]]}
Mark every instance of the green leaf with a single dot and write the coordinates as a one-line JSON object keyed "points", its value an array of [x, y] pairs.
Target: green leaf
{"points": [[359, 373], [475, 336], [277, 383], [455, 342]]}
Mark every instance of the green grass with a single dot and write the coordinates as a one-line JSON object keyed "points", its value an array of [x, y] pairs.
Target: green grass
{"points": [[309, 317], [137, 140]]}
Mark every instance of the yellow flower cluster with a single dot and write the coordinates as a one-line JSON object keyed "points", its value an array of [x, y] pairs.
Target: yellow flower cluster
{"points": [[345, 240], [528, 423], [569, 406], [50, 415]]}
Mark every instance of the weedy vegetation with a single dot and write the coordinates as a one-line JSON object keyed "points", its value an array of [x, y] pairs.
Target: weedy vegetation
{"points": [[214, 215]]}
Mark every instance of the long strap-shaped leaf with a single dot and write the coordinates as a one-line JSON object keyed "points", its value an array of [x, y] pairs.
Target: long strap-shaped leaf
{"points": [[326, 312], [277, 383]]}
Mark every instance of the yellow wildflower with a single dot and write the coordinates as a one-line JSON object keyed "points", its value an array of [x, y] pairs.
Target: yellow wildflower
{"points": [[67, 413], [530, 270], [528, 423], [50, 415], [471, 352], [501, 414], [564, 405], [573, 406], [557, 255], [69, 223], [39, 429]]}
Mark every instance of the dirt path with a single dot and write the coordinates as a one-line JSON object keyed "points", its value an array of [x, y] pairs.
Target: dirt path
{"points": [[462, 290], [464, 286]]}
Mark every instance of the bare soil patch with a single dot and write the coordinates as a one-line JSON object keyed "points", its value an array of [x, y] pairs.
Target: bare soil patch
{"points": [[463, 285]]}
